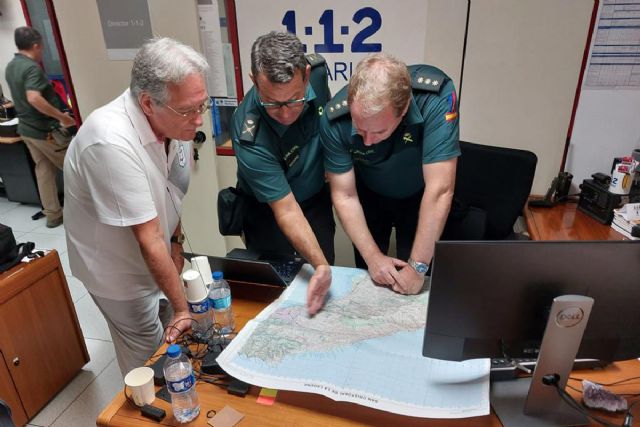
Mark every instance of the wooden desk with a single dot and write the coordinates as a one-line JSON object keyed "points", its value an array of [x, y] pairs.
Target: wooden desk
{"points": [[565, 222], [307, 409], [41, 344]]}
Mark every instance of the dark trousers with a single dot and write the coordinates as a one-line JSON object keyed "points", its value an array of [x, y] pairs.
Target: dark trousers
{"points": [[382, 214], [263, 235]]}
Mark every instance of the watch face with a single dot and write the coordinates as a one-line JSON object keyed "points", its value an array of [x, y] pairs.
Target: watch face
{"points": [[421, 268]]}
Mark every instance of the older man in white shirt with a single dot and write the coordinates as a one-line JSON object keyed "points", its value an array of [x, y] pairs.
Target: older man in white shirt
{"points": [[126, 173]]}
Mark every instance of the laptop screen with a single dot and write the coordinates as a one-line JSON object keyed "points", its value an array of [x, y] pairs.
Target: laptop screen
{"points": [[248, 270]]}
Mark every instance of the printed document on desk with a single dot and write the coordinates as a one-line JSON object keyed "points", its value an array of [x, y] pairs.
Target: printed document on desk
{"points": [[365, 346]]}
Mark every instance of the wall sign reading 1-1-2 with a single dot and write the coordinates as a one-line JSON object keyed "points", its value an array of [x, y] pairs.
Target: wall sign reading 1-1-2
{"points": [[343, 32], [358, 44]]}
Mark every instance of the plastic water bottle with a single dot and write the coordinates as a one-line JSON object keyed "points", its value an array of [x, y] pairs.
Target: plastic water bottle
{"points": [[198, 300], [181, 383], [202, 317], [220, 300]]}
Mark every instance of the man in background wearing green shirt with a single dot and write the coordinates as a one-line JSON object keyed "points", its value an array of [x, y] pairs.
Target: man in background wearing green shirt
{"points": [[41, 117]]}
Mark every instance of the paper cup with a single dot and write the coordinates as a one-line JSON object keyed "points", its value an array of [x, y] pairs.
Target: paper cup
{"points": [[196, 290], [139, 381], [202, 266]]}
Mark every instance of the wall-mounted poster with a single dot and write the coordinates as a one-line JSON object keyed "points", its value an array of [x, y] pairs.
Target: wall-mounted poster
{"points": [[125, 26]]}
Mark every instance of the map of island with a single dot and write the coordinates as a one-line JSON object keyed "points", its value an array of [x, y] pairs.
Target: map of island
{"points": [[365, 346]]}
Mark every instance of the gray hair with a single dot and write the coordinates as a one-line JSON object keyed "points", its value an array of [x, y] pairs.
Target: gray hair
{"points": [[161, 61], [380, 80], [278, 55]]}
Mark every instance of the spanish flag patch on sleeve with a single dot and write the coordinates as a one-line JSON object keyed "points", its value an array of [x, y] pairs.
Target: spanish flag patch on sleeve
{"points": [[452, 114]]}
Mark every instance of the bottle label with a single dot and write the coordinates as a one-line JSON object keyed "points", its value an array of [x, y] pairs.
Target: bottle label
{"points": [[182, 385], [222, 303], [199, 307]]}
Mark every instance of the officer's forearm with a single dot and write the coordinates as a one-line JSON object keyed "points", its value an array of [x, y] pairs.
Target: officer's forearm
{"points": [[296, 228], [434, 211], [353, 221], [434, 208]]}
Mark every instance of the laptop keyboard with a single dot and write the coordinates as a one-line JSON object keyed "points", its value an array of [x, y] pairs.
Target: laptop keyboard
{"points": [[286, 269]]}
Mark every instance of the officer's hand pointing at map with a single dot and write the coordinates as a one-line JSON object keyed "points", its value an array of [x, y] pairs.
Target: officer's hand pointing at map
{"points": [[317, 290]]}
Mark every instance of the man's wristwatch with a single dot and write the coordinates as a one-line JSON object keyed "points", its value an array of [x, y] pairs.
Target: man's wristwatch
{"points": [[179, 239], [420, 267]]}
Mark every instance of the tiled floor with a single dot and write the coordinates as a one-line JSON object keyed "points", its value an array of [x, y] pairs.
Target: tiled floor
{"points": [[78, 404]]}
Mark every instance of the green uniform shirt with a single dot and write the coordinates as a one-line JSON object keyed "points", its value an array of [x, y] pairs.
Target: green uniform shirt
{"points": [[428, 133], [23, 74], [274, 159]]}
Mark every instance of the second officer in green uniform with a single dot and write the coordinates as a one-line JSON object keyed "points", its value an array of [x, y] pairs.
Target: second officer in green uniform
{"points": [[275, 136], [391, 146]]}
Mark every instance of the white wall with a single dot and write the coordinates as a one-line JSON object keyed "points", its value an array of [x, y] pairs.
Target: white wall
{"points": [[606, 125], [521, 70], [522, 66], [97, 80], [12, 17]]}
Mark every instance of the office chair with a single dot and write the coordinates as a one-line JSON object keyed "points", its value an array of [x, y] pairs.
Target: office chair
{"points": [[494, 180], [5, 415]]}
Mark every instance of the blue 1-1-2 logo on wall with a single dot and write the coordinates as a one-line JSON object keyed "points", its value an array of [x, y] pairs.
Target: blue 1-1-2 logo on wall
{"points": [[363, 42]]}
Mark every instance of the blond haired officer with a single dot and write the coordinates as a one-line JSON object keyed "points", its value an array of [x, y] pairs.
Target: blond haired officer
{"points": [[390, 142]]}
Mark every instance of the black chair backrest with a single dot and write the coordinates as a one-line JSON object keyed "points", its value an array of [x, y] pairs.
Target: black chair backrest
{"points": [[5, 415], [497, 180]]}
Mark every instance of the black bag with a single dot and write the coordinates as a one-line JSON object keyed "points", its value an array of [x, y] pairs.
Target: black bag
{"points": [[10, 252], [231, 206]]}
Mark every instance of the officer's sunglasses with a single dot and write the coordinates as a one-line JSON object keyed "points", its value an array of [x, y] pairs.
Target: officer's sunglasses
{"points": [[293, 103], [200, 109]]}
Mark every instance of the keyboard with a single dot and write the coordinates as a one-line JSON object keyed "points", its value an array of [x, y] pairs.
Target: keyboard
{"points": [[286, 269], [507, 369]]}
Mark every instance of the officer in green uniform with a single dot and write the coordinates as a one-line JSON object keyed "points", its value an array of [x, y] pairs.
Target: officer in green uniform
{"points": [[391, 145], [41, 118], [275, 135]]}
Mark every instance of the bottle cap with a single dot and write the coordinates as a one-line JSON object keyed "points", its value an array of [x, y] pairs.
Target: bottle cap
{"points": [[173, 350], [217, 275]]}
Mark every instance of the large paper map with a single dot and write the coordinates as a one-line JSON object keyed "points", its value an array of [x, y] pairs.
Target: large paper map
{"points": [[365, 347]]}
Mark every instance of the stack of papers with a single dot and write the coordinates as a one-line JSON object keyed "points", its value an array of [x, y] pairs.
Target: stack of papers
{"points": [[625, 218]]}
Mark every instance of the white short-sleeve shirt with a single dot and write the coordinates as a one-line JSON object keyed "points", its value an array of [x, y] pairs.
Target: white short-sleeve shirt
{"points": [[116, 175]]}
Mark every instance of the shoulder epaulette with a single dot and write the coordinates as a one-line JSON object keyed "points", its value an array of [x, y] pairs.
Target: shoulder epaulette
{"points": [[338, 106], [315, 59], [250, 127], [427, 78]]}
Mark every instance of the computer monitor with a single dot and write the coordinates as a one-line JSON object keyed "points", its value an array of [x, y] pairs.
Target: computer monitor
{"points": [[493, 299]]}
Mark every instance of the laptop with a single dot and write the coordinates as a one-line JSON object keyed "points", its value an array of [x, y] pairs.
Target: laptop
{"points": [[241, 265]]}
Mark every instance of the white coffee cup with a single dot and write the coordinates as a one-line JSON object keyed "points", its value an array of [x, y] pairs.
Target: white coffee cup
{"points": [[621, 180], [202, 266], [195, 288], [139, 381]]}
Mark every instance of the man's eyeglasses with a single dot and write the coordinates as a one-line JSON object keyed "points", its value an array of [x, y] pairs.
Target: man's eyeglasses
{"points": [[201, 109], [293, 103]]}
